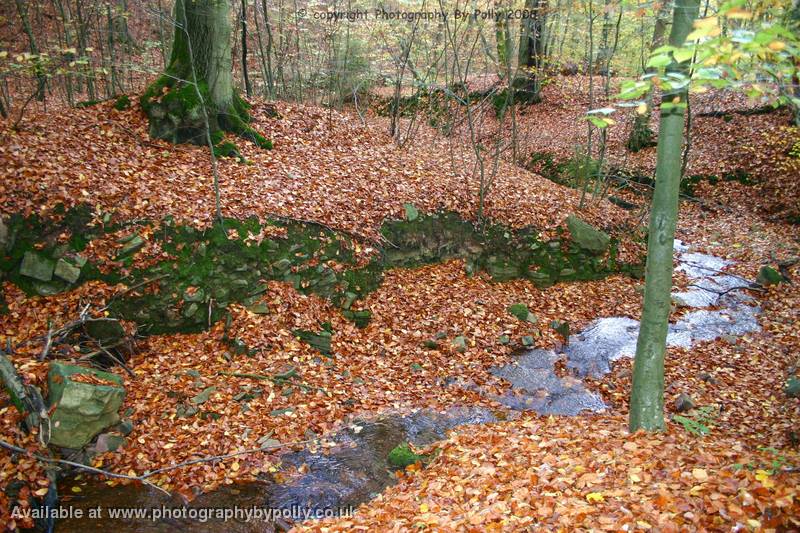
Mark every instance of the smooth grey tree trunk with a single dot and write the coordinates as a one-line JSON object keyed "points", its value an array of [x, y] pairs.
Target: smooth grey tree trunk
{"points": [[647, 392]]}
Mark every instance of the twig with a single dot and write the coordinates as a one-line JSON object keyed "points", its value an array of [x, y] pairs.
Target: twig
{"points": [[119, 362], [66, 328], [213, 458], [48, 343], [134, 287], [726, 291], [17, 449], [143, 478], [136, 137], [709, 269], [15, 127]]}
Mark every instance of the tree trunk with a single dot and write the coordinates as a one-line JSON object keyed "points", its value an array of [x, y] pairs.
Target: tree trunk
{"points": [[531, 52], [641, 134], [265, 57], [63, 11], [647, 392], [198, 80], [247, 87], [794, 25], [161, 16], [83, 44], [605, 31], [112, 62], [502, 34], [41, 79]]}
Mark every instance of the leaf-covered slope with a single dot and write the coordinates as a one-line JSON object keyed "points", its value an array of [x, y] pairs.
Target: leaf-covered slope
{"points": [[325, 167]]}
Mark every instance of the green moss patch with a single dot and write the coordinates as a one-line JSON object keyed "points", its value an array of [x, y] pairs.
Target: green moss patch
{"points": [[689, 184], [403, 456], [43, 255], [122, 103], [176, 112], [503, 253], [228, 263]]}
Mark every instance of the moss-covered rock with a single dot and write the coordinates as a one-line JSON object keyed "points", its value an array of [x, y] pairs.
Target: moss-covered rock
{"points": [[769, 276], [108, 442], [81, 409], [587, 236], [34, 249], [320, 341], [106, 331], [227, 149], [792, 388], [505, 254], [37, 266], [221, 266], [689, 183], [360, 318], [3, 235], [207, 270], [521, 311], [460, 344], [67, 271]]}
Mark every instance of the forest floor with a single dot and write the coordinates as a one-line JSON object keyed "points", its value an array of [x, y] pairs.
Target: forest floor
{"points": [[539, 472]]}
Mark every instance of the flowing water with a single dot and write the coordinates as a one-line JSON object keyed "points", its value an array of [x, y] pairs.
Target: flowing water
{"points": [[535, 385]]}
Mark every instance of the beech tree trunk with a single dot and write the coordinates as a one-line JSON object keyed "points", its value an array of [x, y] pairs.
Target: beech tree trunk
{"points": [[196, 91], [647, 392], [531, 52]]}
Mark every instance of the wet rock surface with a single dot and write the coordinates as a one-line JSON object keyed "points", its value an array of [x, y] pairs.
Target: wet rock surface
{"points": [[536, 387]]}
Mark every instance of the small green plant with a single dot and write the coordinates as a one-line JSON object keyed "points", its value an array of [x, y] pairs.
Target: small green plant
{"points": [[580, 169], [543, 163], [775, 465], [794, 150], [698, 421], [777, 462], [122, 103], [522, 313]]}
